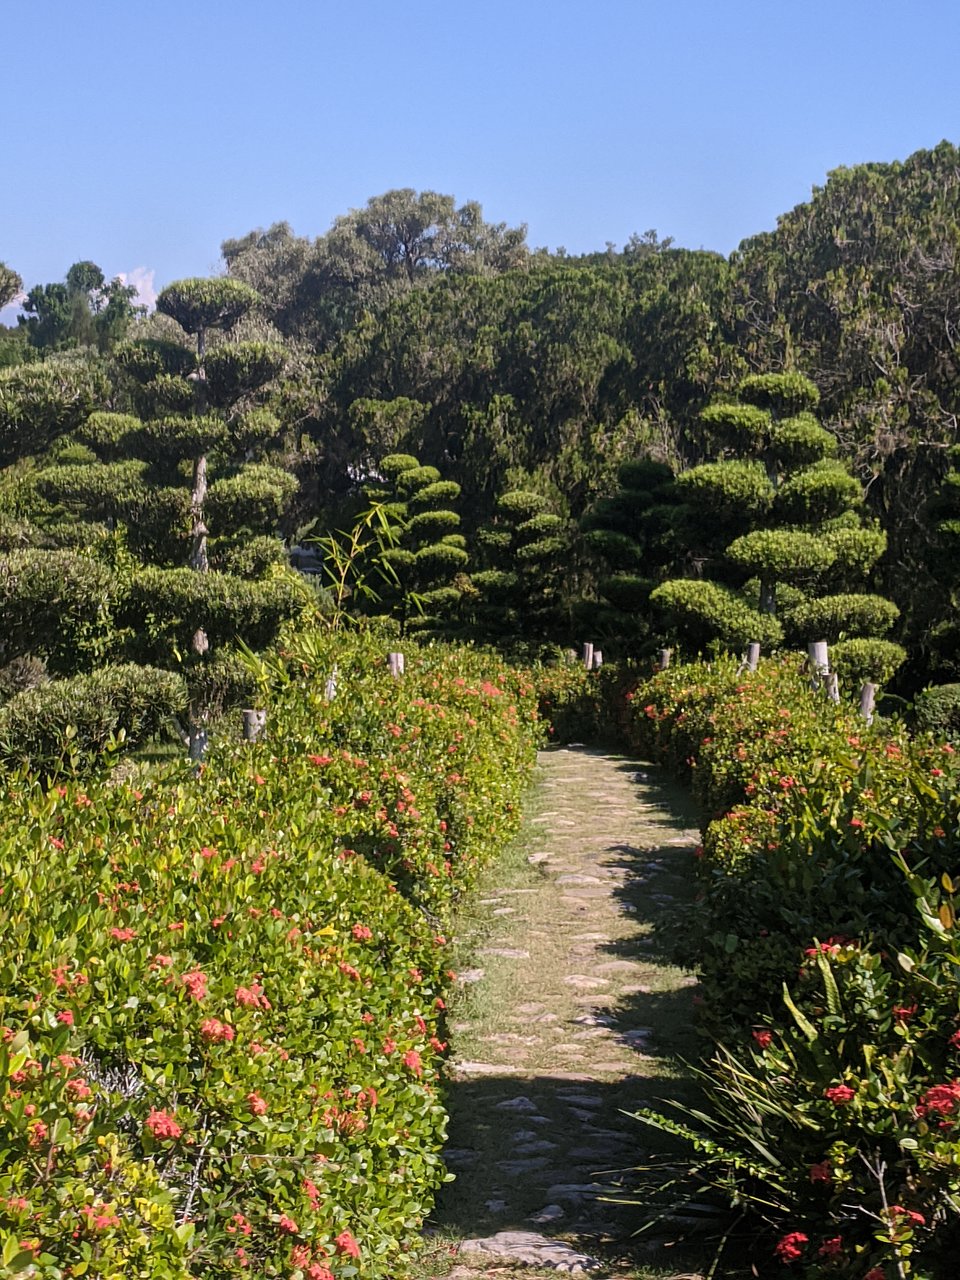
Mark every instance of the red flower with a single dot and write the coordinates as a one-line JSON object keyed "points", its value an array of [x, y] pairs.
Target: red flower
{"points": [[411, 1059], [831, 1248], [876, 1273], [239, 1223], [822, 1172], [196, 984], [361, 933], [162, 1125], [790, 1247], [763, 1038], [123, 935], [288, 1225], [942, 1099], [840, 1094], [215, 1031], [317, 1271], [252, 997], [345, 1244], [320, 760], [904, 1012], [954, 1040], [66, 1017], [257, 1105]]}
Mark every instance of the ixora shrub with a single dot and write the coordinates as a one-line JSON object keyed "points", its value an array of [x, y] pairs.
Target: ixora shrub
{"points": [[828, 950], [222, 992]]}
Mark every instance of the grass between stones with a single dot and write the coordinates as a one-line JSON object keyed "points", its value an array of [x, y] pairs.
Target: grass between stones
{"points": [[567, 1015]]}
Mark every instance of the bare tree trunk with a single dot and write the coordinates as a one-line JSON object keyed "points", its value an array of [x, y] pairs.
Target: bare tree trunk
{"points": [[198, 529]]}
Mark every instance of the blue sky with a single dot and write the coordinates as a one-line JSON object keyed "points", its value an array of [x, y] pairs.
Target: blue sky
{"points": [[141, 135]]}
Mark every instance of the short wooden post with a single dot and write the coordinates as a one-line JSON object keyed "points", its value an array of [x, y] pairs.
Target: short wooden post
{"points": [[330, 688], [597, 659], [587, 655], [868, 699], [395, 661], [198, 742], [254, 723], [664, 660], [753, 655], [819, 661], [832, 685]]}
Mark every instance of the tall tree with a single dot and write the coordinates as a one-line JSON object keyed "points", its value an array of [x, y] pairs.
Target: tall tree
{"points": [[84, 311]]}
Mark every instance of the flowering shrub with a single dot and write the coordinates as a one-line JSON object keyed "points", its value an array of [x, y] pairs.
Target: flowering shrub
{"points": [[222, 993], [829, 955]]}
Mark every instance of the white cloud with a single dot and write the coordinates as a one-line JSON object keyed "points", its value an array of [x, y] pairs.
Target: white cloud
{"points": [[142, 280]]}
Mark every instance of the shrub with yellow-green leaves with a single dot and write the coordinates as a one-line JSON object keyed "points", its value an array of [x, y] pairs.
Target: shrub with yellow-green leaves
{"points": [[222, 990]]}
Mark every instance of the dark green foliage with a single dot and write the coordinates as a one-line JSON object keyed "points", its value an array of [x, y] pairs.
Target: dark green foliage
{"points": [[426, 558], [55, 604], [248, 557], [148, 358], [704, 611], [937, 710], [782, 393], [840, 617], [63, 724], [26, 672], [110, 435], [199, 304], [39, 402], [164, 608], [253, 498], [862, 660], [821, 492], [236, 370], [516, 598]]}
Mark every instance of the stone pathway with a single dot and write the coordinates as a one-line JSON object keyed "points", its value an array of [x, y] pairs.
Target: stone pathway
{"points": [[568, 1015]]}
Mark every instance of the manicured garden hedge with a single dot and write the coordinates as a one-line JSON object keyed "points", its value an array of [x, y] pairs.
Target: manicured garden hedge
{"points": [[221, 992], [827, 941]]}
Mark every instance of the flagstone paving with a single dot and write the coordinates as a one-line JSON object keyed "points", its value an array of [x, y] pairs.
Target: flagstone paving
{"points": [[568, 1015]]}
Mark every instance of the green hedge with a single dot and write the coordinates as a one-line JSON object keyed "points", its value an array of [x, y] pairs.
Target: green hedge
{"points": [[223, 990], [827, 942], [70, 722]]}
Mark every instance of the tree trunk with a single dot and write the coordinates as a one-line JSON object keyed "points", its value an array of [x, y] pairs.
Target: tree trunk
{"points": [[198, 530]]}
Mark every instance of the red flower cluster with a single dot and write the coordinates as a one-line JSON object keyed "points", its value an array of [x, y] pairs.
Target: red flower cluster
{"points": [[763, 1038], [346, 1245], [215, 1031], [790, 1247], [162, 1125], [840, 1094], [941, 1099]]}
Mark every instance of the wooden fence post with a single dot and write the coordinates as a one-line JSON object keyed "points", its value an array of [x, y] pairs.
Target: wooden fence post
{"points": [[597, 659], [330, 688], [395, 661], [753, 655], [819, 662], [832, 683], [868, 698], [664, 660], [254, 723], [587, 655]]}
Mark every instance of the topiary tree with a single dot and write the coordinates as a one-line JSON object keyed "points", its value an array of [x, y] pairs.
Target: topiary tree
{"points": [[629, 534], [429, 553], [775, 529], [523, 550]]}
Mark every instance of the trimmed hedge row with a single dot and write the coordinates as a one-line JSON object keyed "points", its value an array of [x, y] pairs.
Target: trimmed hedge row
{"points": [[829, 953], [221, 993]]}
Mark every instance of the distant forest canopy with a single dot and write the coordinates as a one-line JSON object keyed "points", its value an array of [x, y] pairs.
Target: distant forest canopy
{"points": [[415, 328]]}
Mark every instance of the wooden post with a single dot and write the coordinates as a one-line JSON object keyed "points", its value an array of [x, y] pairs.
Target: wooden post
{"points": [[753, 655], [597, 659], [395, 661], [254, 723], [330, 688], [868, 698], [819, 661], [198, 742], [832, 683], [588, 655], [664, 660], [570, 657]]}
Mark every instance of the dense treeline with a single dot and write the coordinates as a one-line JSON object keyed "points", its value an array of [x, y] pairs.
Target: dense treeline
{"points": [[416, 328]]}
